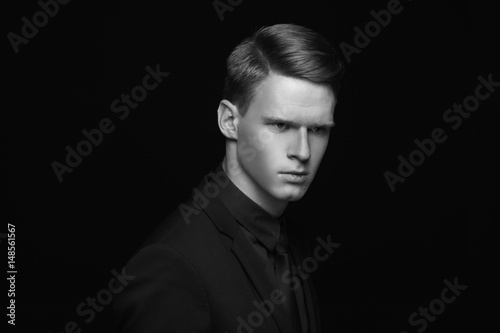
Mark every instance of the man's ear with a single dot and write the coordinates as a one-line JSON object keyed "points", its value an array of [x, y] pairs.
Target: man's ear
{"points": [[228, 119]]}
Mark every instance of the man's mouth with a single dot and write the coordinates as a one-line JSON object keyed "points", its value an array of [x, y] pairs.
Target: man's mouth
{"points": [[297, 176]]}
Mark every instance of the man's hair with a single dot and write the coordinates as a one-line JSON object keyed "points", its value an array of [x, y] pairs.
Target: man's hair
{"points": [[285, 49]]}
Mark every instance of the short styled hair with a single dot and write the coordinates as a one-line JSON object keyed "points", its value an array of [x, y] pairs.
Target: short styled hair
{"points": [[285, 49]]}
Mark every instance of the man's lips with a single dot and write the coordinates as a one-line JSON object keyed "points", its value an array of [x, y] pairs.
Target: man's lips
{"points": [[297, 177], [298, 172]]}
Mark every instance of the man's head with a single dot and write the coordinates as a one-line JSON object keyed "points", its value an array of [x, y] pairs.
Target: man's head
{"points": [[280, 92]]}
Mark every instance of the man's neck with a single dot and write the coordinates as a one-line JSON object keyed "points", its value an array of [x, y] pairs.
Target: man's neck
{"points": [[257, 194]]}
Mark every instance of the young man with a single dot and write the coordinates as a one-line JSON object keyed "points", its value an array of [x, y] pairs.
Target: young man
{"points": [[223, 262]]}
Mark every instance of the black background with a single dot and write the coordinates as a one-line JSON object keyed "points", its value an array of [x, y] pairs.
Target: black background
{"points": [[397, 248]]}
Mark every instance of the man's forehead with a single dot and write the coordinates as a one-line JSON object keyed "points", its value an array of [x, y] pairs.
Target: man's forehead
{"points": [[297, 112], [286, 96]]}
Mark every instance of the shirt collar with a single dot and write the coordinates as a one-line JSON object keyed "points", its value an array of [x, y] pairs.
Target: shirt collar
{"points": [[250, 215]]}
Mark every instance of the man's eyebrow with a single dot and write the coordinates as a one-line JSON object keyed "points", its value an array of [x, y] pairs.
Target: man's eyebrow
{"points": [[274, 119]]}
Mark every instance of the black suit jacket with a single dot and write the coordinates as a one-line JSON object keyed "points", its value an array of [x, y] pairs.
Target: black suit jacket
{"points": [[203, 276]]}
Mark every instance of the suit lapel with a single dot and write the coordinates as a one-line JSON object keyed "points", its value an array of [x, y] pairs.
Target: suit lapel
{"points": [[242, 249]]}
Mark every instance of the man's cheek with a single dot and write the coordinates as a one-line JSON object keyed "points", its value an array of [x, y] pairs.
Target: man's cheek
{"points": [[262, 139], [318, 152]]}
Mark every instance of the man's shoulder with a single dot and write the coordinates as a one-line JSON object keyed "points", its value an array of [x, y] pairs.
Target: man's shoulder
{"points": [[195, 244]]}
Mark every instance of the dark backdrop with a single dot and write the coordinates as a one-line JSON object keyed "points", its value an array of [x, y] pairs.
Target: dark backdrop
{"points": [[397, 247]]}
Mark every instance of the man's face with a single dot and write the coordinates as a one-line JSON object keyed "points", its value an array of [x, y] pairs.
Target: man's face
{"points": [[283, 136]]}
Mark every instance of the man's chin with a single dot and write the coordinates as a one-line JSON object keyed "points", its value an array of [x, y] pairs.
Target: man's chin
{"points": [[292, 195]]}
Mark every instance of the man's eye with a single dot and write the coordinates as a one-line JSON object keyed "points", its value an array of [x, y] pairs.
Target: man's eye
{"points": [[319, 129], [280, 126]]}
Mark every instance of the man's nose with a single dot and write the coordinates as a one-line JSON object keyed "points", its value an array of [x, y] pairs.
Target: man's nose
{"points": [[299, 147]]}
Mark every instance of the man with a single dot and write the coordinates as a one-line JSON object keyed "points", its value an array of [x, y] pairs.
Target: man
{"points": [[224, 262]]}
